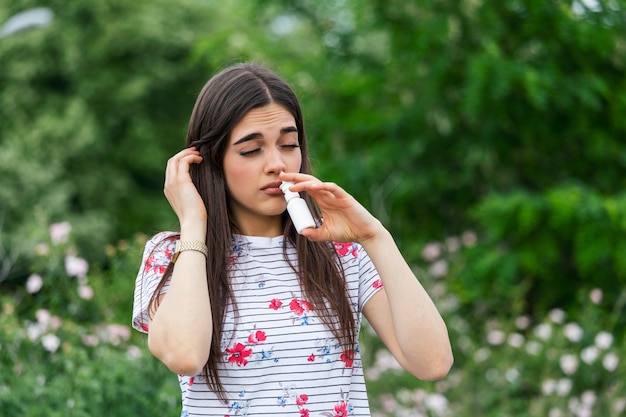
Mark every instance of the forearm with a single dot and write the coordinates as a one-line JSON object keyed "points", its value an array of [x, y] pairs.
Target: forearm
{"points": [[181, 327], [419, 329]]}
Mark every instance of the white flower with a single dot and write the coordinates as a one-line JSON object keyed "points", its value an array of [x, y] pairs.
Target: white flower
{"points": [[452, 244], [438, 269], [34, 283], [543, 331], [116, 333], [482, 355], [43, 316], [34, 331], [431, 251], [596, 296], [512, 375], [557, 315], [604, 340], [75, 266], [133, 352], [548, 387], [436, 403], [516, 340], [42, 249], [619, 405], [60, 232], [573, 332], [569, 364], [533, 347], [89, 339], [555, 412], [469, 238], [563, 387], [588, 398], [85, 292], [610, 362], [589, 354], [51, 342], [522, 322], [495, 337]]}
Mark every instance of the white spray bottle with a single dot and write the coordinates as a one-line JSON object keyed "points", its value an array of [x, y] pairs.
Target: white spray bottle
{"points": [[297, 208]]}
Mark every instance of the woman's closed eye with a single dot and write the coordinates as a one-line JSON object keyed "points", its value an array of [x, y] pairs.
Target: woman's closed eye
{"points": [[249, 152], [290, 145], [286, 146]]}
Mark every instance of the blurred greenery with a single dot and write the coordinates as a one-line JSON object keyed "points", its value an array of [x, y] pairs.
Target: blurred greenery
{"points": [[489, 137]]}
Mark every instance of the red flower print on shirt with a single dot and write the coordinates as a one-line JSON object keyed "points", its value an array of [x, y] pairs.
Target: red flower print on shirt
{"points": [[345, 248], [238, 354], [304, 412], [341, 410], [377, 284], [257, 337], [149, 263], [299, 306], [302, 399], [275, 304], [311, 358], [347, 357]]}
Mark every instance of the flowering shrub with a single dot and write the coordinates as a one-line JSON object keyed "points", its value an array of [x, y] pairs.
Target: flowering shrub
{"points": [[554, 366], [65, 347]]}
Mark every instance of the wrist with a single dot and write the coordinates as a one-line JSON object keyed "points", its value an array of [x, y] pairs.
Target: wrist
{"points": [[193, 230]]}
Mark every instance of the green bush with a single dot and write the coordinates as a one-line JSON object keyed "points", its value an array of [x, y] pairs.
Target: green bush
{"points": [[66, 348], [559, 364]]}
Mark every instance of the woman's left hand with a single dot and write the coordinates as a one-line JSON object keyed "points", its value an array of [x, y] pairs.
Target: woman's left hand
{"points": [[344, 218]]}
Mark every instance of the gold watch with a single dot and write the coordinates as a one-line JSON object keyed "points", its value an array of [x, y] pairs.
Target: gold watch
{"points": [[183, 245]]}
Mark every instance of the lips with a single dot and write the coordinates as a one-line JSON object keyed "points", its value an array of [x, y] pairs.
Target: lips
{"points": [[272, 188]]}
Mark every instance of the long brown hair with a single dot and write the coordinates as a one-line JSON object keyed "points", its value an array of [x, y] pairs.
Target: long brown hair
{"points": [[223, 102]]}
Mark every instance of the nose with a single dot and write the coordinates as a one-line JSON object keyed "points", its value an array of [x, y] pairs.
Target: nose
{"points": [[274, 163]]}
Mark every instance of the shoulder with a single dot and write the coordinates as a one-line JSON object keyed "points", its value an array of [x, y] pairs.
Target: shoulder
{"points": [[161, 242]]}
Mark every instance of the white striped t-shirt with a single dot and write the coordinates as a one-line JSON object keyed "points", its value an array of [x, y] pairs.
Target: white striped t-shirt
{"points": [[280, 359]]}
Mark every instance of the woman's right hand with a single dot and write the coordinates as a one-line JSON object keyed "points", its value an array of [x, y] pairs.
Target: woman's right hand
{"points": [[180, 191]]}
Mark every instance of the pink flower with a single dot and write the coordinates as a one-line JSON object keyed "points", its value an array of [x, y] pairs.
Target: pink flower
{"points": [[275, 304], [302, 399], [257, 337], [34, 283], [378, 284], [238, 354], [304, 412], [60, 232], [299, 306], [85, 292], [311, 358], [75, 266], [347, 357]]}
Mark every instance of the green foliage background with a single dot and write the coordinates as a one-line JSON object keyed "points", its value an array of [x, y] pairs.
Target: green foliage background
{"points": [[503, 119]]}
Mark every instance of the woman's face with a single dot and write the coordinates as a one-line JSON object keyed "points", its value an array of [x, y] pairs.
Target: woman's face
{"points": [[261, 145]]}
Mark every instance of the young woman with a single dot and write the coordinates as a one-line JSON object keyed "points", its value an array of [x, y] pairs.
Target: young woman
{"points": [[256, 319]]}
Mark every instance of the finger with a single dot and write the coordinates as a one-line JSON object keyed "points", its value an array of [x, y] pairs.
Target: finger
{"points": [[185, 162], [296, 177]]}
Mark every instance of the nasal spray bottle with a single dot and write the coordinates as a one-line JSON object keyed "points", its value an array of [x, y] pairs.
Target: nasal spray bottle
{"points": [[297, 208]]}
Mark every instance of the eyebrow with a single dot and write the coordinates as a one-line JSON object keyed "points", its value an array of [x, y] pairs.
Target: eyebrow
{"points": [[256, 135]]}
